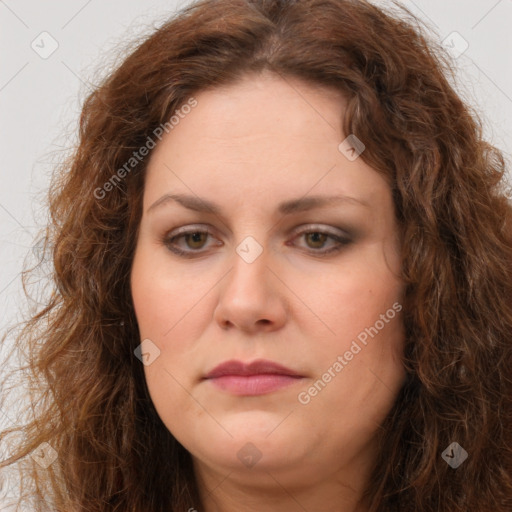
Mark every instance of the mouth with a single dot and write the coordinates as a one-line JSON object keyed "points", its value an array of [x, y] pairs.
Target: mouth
{"points": [[257, 378]]}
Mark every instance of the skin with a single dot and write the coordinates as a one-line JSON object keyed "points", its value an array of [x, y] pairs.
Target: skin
{"points": [[247, 147]]}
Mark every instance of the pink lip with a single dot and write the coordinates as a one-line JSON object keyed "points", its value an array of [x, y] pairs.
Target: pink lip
{"points": [[256, 378]]}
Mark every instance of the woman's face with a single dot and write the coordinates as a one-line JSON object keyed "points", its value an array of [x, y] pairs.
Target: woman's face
{"points": [[311, 285]]}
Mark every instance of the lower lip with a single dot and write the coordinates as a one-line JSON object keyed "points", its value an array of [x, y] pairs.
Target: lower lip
{"points": [[252, 385]]}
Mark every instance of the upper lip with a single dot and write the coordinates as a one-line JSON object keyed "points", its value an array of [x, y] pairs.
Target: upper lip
{"points": [[259, 367]]}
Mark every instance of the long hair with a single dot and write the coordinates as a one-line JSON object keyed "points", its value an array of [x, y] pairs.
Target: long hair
{"points": [[88, 395]]}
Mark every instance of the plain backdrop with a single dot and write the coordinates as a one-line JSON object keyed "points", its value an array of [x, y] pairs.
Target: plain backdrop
{"points": [[53, 51]]}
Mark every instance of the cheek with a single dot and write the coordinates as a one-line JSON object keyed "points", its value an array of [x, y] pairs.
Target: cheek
{"points": [[172, 310], [163, 305], [360, 302], [360, 372], [353, 295], [164, 299]]}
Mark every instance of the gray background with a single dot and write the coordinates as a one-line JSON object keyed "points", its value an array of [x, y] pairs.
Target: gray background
{"points": [[40, 97]]}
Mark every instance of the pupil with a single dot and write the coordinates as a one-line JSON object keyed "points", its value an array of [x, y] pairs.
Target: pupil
{"points": [[316, 236], [196, 237]]}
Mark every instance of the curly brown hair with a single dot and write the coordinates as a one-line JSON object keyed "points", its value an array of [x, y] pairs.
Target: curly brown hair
{"points": [[88, 396]]}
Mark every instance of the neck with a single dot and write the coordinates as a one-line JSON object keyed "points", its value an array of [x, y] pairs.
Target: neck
{"points": [[266, 489]]}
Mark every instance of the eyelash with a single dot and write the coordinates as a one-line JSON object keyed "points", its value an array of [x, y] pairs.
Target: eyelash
{"points": [[168, 241]]}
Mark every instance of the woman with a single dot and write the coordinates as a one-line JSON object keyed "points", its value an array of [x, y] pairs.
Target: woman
{"points": [[283, 277]]}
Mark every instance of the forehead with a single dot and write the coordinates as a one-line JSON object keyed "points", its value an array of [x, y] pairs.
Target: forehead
{"points": [[261, 138]]}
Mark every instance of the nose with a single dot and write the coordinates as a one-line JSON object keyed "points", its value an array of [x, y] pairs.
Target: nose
{"points": [[251, 297]]}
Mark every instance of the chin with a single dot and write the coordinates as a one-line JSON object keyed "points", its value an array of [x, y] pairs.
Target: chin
{"points": [[249, 448], [257, 426]]}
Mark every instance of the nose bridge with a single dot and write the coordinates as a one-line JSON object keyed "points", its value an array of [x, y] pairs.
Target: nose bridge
{"points": [[250, 297], [250, 268]]}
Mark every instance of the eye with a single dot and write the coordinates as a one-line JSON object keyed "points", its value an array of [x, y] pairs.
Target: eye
{"points": [[316, 239], [195, 238]]}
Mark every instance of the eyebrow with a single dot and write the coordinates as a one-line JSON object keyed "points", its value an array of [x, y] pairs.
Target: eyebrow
{"points": [[301, 204]]}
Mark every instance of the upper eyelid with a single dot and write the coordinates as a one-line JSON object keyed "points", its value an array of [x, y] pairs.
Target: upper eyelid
{"points": [[192, 228], [321, 227]]}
